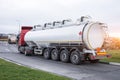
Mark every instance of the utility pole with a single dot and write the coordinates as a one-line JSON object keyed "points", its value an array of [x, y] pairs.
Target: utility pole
{"points": [[19, 27]]}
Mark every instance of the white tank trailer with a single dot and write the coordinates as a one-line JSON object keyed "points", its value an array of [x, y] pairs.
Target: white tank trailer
{"points": [[73, 43]]}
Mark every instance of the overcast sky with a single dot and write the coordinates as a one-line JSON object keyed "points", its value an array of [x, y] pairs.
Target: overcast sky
{"points": [[30, 12]]}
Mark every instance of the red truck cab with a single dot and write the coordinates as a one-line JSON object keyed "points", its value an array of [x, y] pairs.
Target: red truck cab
{"points": [[24, 30]]}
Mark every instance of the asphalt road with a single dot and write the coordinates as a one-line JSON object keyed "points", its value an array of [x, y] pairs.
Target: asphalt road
{"points": [[86, 71]]}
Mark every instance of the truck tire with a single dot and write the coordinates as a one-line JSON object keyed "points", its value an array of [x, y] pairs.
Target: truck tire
{"points": [[54, 54], [46, 54], [26, 53], [64, 56], [75, 57], [9, 41], [19, 49]]}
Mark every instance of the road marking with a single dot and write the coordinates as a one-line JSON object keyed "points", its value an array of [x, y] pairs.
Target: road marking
{"points": [[114, 63]]}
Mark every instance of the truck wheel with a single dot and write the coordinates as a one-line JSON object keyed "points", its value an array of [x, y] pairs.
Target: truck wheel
{"points": [[64, 56], [19, 49], [54, 55], [26, 53], [9, 41], [46, 54], [75, 57]]}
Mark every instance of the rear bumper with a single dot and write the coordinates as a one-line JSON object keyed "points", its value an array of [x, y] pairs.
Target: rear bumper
{"points": [[97, 54], [92, 57]]}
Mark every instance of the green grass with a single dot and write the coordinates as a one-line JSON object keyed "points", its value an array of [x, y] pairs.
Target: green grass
{"points": [[115, 56], [11, 71]]}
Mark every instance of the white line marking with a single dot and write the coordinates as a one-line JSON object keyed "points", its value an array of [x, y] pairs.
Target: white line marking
{"points": [[114, 63]]}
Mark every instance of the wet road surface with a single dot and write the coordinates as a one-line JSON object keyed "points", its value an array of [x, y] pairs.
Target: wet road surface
{"points": [[86, 71]]}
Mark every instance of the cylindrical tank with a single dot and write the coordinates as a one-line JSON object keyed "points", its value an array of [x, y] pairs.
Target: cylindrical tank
{"points": [[91, 34]]}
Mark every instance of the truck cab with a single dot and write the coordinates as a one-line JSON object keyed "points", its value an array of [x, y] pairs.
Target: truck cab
{"points": [[21, 41], [12, 38]]}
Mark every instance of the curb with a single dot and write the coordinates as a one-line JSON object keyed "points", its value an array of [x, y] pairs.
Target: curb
{"points": [[114, 63], [111, 63]]}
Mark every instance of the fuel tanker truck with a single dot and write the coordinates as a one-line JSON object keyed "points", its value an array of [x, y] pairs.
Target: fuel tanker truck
{"points": [[75, 43]]}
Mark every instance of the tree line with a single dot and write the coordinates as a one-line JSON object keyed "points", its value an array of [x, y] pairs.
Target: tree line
{"points": [[112, 43]]}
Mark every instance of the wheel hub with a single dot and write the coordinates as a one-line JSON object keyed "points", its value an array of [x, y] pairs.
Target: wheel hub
{"points": [[64, 56], [75, 58]]}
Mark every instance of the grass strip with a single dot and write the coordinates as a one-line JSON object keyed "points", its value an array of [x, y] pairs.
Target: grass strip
{"points": [[11, 71], [115, 56]]}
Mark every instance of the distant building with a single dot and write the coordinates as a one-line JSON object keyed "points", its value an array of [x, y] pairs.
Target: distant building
{"points": [[3, 36]]}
